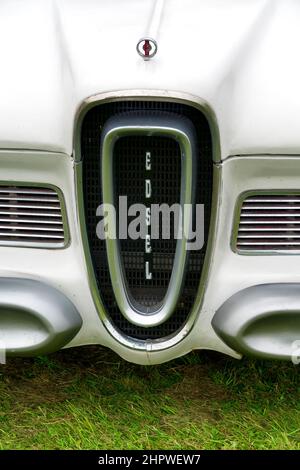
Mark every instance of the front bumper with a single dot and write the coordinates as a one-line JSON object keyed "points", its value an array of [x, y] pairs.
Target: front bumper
{"points": [[261, 321], [35, 318], [228, 272]]}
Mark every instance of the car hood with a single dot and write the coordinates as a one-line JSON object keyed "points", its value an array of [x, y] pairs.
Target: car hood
{"points": [[238, 56]]}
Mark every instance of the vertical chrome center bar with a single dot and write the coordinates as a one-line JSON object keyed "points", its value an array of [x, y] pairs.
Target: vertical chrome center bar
{"points": [[182, 131]]}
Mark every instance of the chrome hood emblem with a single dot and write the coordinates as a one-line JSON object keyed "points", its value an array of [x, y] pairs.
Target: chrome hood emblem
{"points": [[146, 48]]}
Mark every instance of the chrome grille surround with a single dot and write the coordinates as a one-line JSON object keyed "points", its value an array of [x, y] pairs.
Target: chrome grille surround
{"points": [[176, 128], [32, 216], [268, 223], [93, 190], [171, 340]]}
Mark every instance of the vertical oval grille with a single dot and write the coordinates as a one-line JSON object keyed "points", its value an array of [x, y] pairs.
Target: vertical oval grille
{"points": [[30, 216], [269, 223], [92, 190]]}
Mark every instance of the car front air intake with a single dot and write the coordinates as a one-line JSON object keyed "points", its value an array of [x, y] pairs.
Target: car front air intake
{"points": [[126, 176], [269, 223], [31, 216]]}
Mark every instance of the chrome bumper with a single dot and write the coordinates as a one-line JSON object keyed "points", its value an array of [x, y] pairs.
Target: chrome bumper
{"points": [[35, 318]]}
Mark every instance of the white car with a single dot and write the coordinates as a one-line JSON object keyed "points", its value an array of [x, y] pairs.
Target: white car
{"points": [[191, 103]]}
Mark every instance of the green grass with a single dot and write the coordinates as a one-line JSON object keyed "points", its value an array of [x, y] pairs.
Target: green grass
{"points": [[88, 398]]}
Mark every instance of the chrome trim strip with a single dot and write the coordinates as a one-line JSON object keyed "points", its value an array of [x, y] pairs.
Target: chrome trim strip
{"points": [[269, 236], [273, 200], [262, 222], [33, 229], [28, 191], [29, 235], [31, 221], [273, 229], [267, 214], [269, 244], [28, 199], [247, 207], [39, 214], [148, 346], [29, 206]]}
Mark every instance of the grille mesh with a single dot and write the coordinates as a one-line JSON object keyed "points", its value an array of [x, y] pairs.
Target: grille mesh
{"points": [[129, 162], [90, 148], [30, 216], [269, 223]]}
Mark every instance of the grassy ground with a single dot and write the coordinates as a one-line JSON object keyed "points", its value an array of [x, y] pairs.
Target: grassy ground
{"points": [[88, 398]]}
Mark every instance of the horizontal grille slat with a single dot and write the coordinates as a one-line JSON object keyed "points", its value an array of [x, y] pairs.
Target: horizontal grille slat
{"points": [[266, 222], [269, 223], [28, 199], [269, 236], [45, 192], [265, 207], [276, 199], [30, 213], [29, 235], [36, 222], [268, 214], [266, 229], [32, 227], [267, 243], [28, 206], [31, 216]]}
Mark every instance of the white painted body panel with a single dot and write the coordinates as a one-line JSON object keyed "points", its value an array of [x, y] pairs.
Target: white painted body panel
{"points": [[238, 55]]}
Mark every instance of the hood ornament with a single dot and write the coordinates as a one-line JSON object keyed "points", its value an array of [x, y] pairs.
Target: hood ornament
{"points": [[147, 48]]}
